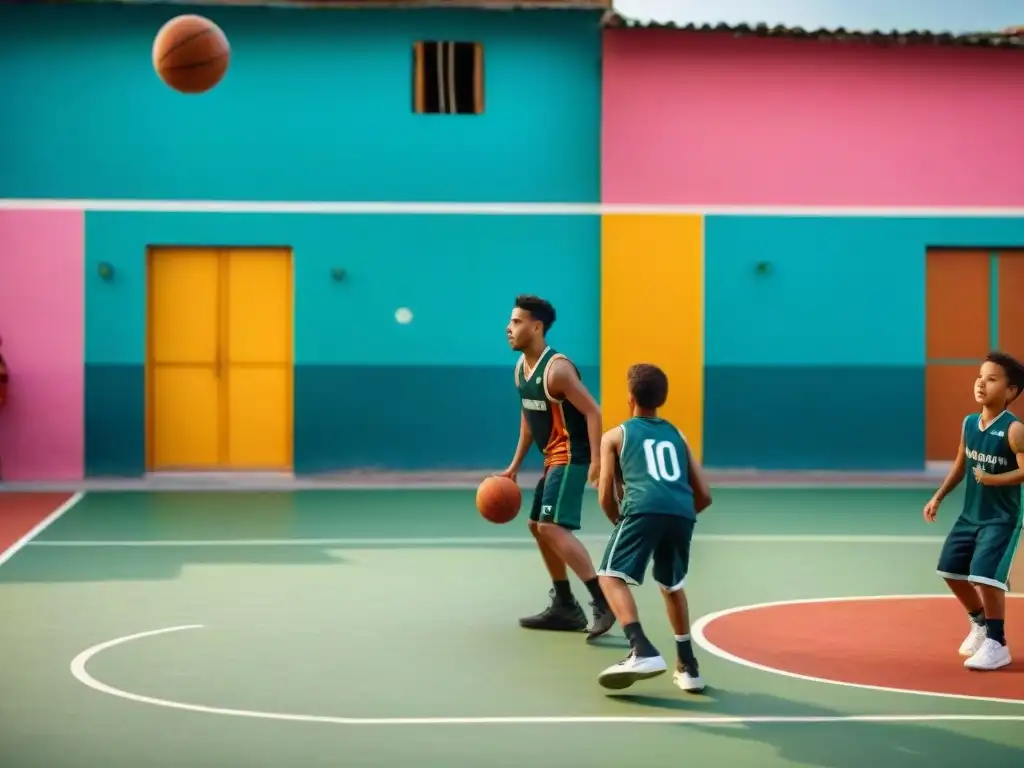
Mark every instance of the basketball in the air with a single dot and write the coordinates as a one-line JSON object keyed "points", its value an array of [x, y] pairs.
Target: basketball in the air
{"points": [[498, 499], [191, 53]]}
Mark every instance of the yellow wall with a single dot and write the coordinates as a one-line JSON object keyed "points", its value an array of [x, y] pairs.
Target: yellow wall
{"points": [[652, 311]]}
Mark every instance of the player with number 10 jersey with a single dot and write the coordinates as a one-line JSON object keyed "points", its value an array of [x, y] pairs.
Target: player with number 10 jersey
{"points": [[652, 489]]}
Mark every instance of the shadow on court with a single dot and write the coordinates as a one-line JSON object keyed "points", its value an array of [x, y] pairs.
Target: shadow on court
{"points": [[73, 564], [843, 744], [172, 530], [62, 565]]}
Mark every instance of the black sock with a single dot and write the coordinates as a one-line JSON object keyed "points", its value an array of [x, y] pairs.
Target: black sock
{"points": [[978, 617], [996, 631], [684, 650], [638, 640], [563, 592], [594, 587]]}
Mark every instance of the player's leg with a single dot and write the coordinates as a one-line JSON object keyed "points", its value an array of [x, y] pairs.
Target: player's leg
{"points": [[624, 563], [561, 512], [955, 567], [564, 612], [671, 564], [990, 572]]}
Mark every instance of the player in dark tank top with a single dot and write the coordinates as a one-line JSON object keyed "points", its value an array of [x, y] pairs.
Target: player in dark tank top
{"points": [[978, 554], [563, 420]]}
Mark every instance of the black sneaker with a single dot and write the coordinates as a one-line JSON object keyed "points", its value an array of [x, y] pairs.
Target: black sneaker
{"points": [[604, 620], [558, 617]]}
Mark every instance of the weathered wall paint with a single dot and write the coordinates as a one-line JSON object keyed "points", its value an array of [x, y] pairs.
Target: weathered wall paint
{"points": [[316, 105], [369, 392], [708, 119], [822, 356], [41, 304]]}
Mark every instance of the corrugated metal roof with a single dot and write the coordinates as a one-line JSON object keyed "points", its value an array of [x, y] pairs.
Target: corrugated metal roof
{"points": [[907, 16], [1009, 38]]}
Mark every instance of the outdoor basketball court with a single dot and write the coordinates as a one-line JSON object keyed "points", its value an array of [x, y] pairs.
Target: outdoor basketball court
{"points": [[378, 628]]}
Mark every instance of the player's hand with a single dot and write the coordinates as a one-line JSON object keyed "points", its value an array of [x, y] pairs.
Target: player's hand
{"points": [[595, 473], [931, 510], [980, 475], [512, 473]]}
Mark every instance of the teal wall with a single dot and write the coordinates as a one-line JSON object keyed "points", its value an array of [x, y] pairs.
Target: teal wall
{"points": [[828, 347], [316, 105], [369, 392]]}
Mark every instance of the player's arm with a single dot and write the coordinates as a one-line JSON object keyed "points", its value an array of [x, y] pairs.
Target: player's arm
{"points": [[1015, 434], [522, 448], [698, 482], [607, 492], [620, 484], [953, 477], [956, 472], [565, 384]]}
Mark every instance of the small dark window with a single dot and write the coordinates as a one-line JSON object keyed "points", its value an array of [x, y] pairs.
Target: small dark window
{"points": [[448, 78]]}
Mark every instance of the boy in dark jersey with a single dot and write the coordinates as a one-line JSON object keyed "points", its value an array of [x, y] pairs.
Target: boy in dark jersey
{"points": [[652, 489], [978, 553], [560, 416]]}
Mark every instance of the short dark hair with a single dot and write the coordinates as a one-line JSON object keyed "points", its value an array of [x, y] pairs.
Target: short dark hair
{"points": [[539, 308], [1013, 368], [648, 385]]}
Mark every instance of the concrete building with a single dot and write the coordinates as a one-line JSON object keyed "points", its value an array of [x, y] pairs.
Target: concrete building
{"points": [[310, 267], [175, 294], [833, 234]]}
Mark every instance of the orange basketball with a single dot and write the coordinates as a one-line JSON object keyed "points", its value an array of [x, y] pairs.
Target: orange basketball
{"points": [[498, 499], [191, 54]]}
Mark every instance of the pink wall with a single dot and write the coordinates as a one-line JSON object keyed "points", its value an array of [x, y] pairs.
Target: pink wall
{"points": [[42, 296], [695, 118]]}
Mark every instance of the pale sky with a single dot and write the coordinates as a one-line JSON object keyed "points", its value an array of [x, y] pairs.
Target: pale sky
{"points": [[931, 15]]}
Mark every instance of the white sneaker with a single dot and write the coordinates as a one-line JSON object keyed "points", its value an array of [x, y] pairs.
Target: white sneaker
{"points": [[631, 669], [974, 641], [990, 656], [684, 681]]}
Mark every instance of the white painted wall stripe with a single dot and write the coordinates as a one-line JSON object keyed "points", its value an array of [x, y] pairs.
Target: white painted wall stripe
{"points": [[494, 209]]}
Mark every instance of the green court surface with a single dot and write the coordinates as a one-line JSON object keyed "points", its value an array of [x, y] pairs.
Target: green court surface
{"points": [[378, 628]]}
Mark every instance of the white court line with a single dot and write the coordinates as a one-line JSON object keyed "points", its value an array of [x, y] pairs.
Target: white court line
{"points": [[473, 541], [697, 632], [242, 485], [80, 673], [39, 527]]}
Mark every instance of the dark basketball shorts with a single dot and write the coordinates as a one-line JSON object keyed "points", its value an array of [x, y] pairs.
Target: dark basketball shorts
{"points": [[636, 541], [981, 554], [559, 496]]}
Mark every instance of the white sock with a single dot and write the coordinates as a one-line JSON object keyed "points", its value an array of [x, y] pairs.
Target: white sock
{"points": [[682, 638]]}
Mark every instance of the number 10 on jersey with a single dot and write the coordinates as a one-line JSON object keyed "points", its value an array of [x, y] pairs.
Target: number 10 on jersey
{"points": [[662, 460]]}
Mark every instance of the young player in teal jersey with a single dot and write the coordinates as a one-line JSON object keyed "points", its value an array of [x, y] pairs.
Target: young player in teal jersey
{"points": [[560, 417], [652, 489], [978, 553]]}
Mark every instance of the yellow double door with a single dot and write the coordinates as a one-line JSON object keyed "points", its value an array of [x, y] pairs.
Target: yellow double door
{"points": [[220, 361]]}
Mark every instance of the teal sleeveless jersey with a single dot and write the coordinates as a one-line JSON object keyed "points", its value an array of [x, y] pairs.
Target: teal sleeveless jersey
{"points": [[559, 428], [989, 449], [655, 469]]}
